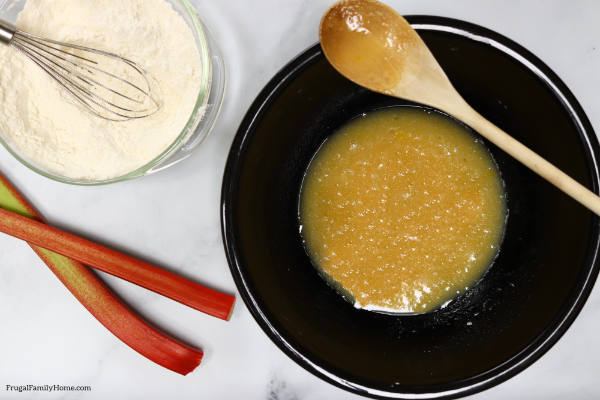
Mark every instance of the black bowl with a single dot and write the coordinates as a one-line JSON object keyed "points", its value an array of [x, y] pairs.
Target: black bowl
{"points": [[545, 269]]}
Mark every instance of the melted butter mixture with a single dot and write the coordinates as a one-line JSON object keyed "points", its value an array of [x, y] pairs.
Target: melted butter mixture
{"points": [[402, 210]]}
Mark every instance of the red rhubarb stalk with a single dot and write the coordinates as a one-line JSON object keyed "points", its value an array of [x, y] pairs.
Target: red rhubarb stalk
{"points": [[123, 266], [102, 304]]}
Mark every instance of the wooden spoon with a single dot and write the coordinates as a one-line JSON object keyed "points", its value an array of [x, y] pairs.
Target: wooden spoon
{"points": [[375, 47]]}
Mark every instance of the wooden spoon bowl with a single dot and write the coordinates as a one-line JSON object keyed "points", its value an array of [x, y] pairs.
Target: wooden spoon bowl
{"points": [[375, 47]]}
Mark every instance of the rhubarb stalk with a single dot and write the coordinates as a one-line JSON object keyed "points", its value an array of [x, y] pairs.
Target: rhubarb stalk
{"points": [[102, 304], [110, 261]]}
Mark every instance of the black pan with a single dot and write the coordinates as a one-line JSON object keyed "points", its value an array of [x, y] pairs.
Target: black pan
{"points": [[546, 267]]}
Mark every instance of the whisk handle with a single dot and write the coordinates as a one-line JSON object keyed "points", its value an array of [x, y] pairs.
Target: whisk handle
{"points": [[7, 31]]}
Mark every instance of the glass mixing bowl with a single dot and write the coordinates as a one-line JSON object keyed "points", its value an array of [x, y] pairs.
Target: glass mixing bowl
{"points": [[199, 124]]}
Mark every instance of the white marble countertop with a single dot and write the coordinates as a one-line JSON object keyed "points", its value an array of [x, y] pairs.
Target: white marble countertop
{"points": [[172, 218]]}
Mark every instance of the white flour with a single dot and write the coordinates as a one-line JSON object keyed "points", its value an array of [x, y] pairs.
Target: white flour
{"points": [[44, 124]]}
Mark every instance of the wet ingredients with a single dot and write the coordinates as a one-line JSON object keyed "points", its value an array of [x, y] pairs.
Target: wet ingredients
{"points": [[402, 209]]}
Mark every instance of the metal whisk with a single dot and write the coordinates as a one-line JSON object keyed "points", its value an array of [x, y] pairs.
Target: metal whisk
{"points": [[107, 85]]}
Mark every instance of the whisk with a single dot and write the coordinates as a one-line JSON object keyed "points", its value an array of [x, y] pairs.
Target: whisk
{"points": [[107, 85]]}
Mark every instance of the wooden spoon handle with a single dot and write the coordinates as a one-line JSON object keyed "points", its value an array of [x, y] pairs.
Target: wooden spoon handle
{"points": [[528, 158]]}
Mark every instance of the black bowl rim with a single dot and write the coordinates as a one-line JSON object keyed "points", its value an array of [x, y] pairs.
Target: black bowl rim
{"points": [[545, 340]]}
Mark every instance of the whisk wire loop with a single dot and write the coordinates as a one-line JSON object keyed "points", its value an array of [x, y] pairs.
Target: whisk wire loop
{"points": [[108, 85]]}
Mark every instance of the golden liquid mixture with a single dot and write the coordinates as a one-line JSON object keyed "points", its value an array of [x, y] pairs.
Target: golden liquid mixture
{"points": [[402, 209]]}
